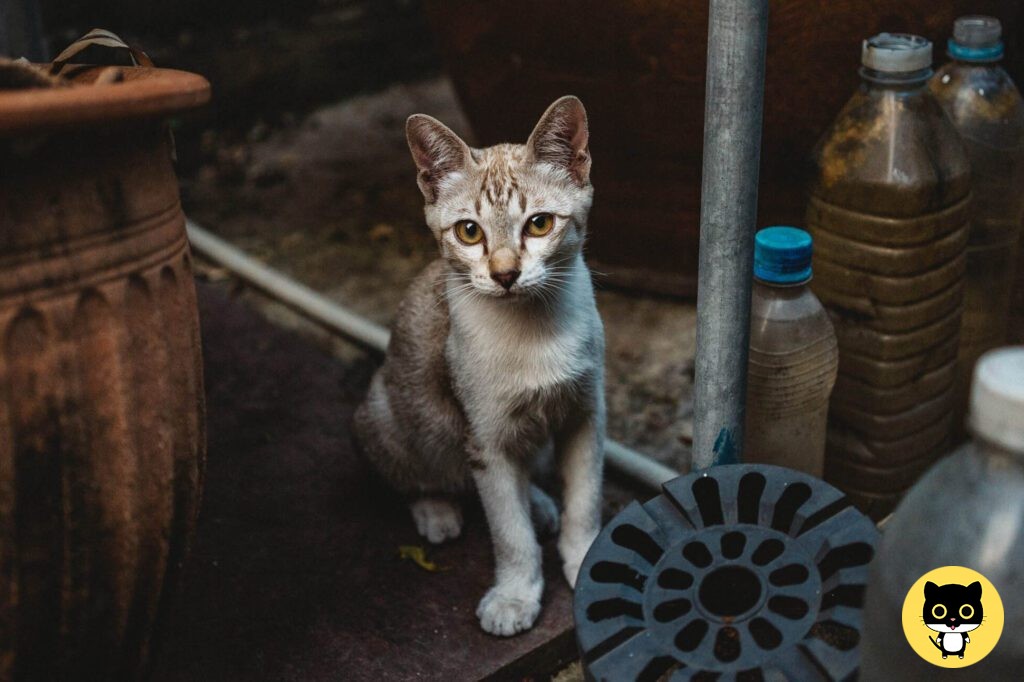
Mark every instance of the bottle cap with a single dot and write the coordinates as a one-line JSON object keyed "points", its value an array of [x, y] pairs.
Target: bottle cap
{"points": [[896, 53], [976, 39], [782, 255], [997, 398]]}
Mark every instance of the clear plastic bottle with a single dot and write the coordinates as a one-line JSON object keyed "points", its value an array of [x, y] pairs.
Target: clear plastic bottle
{"points": [[968, 510], [988, 111], [793, 356], [889, 214]]}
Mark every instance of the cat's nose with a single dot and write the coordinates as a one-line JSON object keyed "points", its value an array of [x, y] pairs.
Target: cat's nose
{"points": [[506, 278]]}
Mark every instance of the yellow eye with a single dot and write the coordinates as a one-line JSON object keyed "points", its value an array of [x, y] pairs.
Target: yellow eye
{"points": [[540, 224], [936, 609], [468, 232], [969, 609]]}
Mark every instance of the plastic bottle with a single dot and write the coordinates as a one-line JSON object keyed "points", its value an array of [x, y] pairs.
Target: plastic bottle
{"points": [[967, 511], [988, 111], [889, 216], [793, 356]]}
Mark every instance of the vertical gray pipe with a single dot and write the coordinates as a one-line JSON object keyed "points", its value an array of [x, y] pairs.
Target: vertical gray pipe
{"points": [[732, 151]]}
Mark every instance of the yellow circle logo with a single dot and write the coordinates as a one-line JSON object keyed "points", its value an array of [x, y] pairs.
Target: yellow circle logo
{"points": [[952, 617]]}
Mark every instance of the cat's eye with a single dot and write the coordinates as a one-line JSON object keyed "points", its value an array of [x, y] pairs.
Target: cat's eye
{"points": [[468, 232], [969, 611], [936, 611], [540, 224]]}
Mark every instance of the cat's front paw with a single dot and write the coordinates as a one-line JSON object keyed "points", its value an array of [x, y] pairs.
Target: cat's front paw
{"points": [[573, 551], [505, 614], [437, 519]]}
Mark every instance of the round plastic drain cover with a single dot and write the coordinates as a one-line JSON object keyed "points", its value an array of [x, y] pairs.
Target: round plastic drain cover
{"points": [[740, 572]]}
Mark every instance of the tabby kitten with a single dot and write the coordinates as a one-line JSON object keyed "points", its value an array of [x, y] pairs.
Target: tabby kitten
{"points": [[497, 353]]}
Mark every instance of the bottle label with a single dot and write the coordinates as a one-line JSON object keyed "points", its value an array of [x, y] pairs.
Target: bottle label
{"points": [[952, 617]]}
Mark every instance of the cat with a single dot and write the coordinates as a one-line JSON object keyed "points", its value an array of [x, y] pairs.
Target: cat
{"points": [[952, 611], [497, 353]]}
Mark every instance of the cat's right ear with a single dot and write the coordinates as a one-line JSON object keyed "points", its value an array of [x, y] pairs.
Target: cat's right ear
{"points": [[561, 138], [437, 152], [929, 589]]}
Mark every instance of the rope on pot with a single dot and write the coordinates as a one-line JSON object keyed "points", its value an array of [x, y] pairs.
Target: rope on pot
{"points": [[20, 74], [99, 37], [102, 38]]}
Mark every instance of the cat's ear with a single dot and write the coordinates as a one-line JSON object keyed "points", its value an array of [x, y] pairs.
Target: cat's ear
{"points": [[437, 151], [561, 138], [929, 590], [974, 590]]}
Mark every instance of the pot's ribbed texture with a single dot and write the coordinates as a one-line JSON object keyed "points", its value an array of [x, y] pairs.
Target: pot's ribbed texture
{"points": [[102, 440]]}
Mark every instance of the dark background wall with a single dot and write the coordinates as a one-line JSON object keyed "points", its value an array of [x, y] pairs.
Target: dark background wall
{"points": [[637, 64], [265, 58]]}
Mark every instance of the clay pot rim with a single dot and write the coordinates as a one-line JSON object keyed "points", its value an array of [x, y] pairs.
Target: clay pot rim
{"points": [[145, 92]]}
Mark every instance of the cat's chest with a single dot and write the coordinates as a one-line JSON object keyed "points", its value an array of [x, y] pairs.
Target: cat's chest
{"points": [[508, 362], [514, 364], [952, 641]]}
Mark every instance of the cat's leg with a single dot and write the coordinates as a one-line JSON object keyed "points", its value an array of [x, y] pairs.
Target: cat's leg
{"points": [[437, 518], [512, 604], [543, 512], [580, 450]]}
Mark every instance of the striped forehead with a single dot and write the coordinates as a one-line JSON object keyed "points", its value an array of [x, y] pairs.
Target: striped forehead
{"points": [[500, 188]]}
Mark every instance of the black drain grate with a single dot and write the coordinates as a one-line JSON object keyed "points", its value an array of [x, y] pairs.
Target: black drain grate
{"points": [[741, 572]]}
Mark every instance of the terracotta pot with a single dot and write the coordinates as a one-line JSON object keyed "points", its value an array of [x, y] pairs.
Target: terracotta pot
{"points": [[639, 67], [102, 443]]}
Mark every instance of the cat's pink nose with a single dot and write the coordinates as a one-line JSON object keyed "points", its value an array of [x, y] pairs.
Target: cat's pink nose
{"points": [[506, 278]]}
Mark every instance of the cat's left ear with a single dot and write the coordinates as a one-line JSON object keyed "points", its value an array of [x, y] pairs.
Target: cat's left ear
{"points": [[561, 138], [974, 590]]}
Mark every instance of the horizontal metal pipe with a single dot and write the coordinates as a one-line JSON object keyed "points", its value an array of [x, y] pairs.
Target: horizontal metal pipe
{"points": [[319, 309], [298, 297], [732, 150], [637, 466]]}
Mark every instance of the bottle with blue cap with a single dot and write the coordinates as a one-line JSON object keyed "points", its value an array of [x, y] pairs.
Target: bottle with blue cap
{"points": [[988, 112], [793, 357]]}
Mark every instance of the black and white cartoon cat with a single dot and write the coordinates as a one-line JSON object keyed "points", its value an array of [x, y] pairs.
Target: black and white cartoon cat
{"points": [[952, 611]]}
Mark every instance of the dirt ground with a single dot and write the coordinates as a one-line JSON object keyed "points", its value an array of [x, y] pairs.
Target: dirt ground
{"points": [[330, 199]]}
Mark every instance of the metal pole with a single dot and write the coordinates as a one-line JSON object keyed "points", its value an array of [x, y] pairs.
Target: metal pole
{"points": [[732, 150], [368, 334]]}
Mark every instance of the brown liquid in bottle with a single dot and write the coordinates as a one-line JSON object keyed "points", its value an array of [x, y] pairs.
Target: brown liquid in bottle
{"points": [[889, 215], [987, 110]]}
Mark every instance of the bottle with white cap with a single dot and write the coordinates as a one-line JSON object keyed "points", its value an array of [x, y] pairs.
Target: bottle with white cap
{"points": [[793, 357], [968, 510], [889, 214], [988, 111]]}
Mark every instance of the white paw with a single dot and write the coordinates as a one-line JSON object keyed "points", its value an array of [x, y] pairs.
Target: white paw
{"points": [[573, 552], [543, 512], [437, 519], [505, 614]]}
